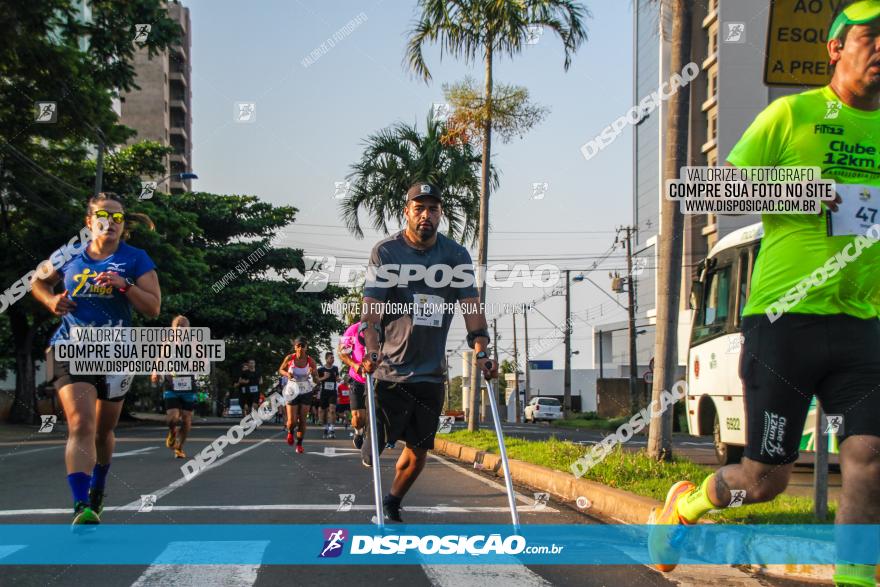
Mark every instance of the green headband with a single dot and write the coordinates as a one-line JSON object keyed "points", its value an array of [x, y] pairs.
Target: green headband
{"points": [[859, 13]]}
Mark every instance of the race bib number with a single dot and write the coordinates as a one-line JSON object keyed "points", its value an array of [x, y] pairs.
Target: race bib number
{"points": [[329, 386], [253, 389], [858, 212], [118, 385], [344, 392], [428, 310], [182, 383]]}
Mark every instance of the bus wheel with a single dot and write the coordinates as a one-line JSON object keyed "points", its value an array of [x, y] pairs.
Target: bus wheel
{"points": [[725, 454]]}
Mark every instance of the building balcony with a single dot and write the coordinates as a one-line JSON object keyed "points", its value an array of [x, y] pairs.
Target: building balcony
{"points": [[180, 158], [713, 101], [179, 104], [710, 18], [710, 60], [178, 76], [709, 145], [181, 131], [179, 187]]}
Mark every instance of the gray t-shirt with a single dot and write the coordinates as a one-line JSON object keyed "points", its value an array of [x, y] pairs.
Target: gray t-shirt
{"points": [[416, 316]]}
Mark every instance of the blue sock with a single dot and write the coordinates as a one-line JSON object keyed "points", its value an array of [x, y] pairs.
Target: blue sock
{"points": [[99, 476], [79, 486]]}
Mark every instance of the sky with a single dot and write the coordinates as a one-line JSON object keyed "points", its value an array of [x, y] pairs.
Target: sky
{"points": [[311, 122]]}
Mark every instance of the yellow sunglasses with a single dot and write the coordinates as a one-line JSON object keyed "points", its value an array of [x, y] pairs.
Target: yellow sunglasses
{"points": [[118, 217]]}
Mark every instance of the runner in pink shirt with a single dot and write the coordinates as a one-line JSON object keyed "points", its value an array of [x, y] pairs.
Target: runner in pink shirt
{"points": [[351, 353]]}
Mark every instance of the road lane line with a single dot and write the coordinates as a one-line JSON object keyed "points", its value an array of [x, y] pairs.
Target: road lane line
{"points": [[171, 568], [137, 451], [24, 452], [512, 575], [160, 493], [480, 478], [439, 509]]}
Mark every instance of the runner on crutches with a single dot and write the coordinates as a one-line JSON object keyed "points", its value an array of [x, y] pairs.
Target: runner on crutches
{"points": [[414, 317]]}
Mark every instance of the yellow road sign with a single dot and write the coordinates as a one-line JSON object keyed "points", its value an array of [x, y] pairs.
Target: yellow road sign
{"points": [[796, 38]]}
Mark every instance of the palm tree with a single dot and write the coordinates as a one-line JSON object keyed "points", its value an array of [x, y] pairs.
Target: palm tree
{"points": [[395, 158], [474, 29], [672, 227]]}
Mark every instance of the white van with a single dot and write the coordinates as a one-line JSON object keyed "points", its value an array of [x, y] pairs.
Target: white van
{"points": [[715, 396]]}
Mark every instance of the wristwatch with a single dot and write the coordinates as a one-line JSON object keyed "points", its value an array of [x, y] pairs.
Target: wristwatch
{"points": [[128, 283], [482, 355]]}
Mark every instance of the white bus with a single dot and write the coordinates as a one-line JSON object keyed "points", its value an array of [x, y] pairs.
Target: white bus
{"points": [[715, 396]]}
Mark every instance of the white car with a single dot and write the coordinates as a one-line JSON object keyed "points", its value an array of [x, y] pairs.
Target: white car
{"points": [[543, 408], [234, 409]]}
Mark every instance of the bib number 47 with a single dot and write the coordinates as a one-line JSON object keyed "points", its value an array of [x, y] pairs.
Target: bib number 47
{"points": [[867, 214]]}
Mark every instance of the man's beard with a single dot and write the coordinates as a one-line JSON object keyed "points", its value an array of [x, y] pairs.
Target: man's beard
{"points": [[423, 231]]}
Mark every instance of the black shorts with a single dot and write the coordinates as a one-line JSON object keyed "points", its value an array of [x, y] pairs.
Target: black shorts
{"points": [[327, 397], [305, 399], [409, 411], [784, 363], [358, 395], [342, 408], [248, 398], [59, 375], [178, 402]]}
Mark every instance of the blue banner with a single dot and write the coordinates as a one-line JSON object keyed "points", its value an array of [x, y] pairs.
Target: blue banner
{"points": [[137, 544]]}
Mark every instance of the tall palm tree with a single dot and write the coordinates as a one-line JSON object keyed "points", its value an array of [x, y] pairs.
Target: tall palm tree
{"points": [[473, 29], [669, 257], [396, 157]]}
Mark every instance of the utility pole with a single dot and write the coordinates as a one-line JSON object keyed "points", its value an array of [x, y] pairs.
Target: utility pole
{"points": [[633, 353], [566, 401], [448, 384], [516, 405], [601, 358], [99, 165], [528, 396], [501, 401]]}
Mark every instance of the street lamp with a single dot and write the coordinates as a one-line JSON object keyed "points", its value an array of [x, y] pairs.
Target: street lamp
{"points": [[149, 187]]}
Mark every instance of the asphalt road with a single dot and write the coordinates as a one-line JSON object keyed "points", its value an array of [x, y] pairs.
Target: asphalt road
{"points": [[262, 481]]}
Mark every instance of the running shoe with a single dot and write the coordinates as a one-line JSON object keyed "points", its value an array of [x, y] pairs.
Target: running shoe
{"points": [[290, 438], [332, 435], [179, 454], [84, 515], [96, 500], [358, 439], [300, 449], [392, 512], [169, 439], [851, 575], [665, 538]]}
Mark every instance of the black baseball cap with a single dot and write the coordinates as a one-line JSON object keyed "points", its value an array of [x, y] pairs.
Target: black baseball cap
{"points": [[422, 189]]}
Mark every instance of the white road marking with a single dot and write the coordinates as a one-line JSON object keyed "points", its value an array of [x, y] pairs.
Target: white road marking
{"points": [[8, 549], [171, 566], [512, 575], [438, 509], [137, 451], [481, 479], [24, 452], [160, 493]]}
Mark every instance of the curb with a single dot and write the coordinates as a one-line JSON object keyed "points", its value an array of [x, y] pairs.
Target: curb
{"points": [[606, 502]]}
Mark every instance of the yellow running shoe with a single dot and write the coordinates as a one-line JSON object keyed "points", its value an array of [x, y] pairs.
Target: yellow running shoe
{"points": [[179, 454], [662, 538], [169, 440]]}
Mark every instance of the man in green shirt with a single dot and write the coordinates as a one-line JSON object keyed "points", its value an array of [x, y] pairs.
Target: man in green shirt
{"points": [[811, 322]]}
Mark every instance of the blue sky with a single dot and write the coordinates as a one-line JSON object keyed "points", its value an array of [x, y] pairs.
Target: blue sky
{"points": [[311, 122]]}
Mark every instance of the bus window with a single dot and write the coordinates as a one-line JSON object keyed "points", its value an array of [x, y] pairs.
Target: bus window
{"points": [[743, 286], [714, 311]]}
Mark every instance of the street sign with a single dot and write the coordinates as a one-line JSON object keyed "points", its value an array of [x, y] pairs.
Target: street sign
{"points": [[541, 364], [796, 38]]}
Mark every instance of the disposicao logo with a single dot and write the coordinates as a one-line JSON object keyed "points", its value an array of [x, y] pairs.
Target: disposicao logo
{"points": [[334, 539]]}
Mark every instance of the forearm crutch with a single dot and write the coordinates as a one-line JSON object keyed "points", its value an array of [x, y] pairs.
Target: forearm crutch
{"points": [[511, 496], [374, 446]]}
